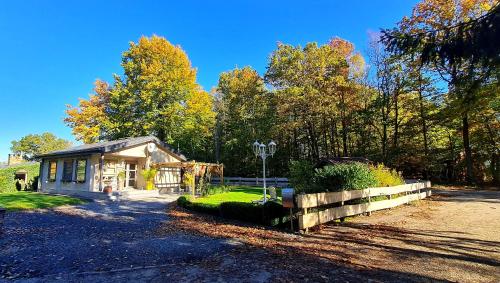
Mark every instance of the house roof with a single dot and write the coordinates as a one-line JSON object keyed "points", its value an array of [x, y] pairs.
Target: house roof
{"points": [[113, 146]]}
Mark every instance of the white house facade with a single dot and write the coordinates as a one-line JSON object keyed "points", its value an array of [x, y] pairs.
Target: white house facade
{"points": [[89, 168]]}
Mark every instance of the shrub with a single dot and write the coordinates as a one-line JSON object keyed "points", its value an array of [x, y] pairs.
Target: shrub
{"points": [[301, 175], [186, 202], [271, 213], [7, 182], [386, 177], [242, 211], [344, 176]]}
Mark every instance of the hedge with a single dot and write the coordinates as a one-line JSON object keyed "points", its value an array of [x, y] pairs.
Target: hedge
{"points": [[7, 182], [271, 213]]}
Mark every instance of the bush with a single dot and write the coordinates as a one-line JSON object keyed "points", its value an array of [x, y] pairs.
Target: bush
{"points": [[271, 213], [7, 182], [186, 202], [386, 177], [344, 176], [301, 175], [243, 211]]}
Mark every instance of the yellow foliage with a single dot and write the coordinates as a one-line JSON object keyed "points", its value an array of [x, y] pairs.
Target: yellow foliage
{"points": [[386, 177]]}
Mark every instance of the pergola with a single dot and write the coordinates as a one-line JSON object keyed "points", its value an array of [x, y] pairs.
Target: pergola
{"points": [[193, 175]]}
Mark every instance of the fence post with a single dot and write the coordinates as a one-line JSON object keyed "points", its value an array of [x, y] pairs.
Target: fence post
{"points": [[239, 181], [369, 212]]}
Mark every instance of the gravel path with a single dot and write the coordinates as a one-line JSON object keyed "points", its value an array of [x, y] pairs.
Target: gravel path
{"points": [[453, 236], [95, 237]]}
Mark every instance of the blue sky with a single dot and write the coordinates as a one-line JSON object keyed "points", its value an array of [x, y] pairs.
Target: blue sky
{"points": [[52, 51]]}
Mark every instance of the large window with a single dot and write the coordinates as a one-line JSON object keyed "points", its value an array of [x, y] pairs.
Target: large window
{"points": [[67, 171], [52, 171], [81, 170]]}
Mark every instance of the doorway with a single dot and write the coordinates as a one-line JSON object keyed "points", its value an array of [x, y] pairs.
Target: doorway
{"points": [[130, 174]]}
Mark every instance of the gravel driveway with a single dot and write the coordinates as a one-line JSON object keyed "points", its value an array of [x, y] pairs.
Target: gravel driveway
{"points": [[96, 236]]}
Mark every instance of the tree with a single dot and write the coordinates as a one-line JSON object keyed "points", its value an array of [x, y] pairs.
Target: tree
{"points": [[34, 144], [157, 95], [442, 34], [244, 114], [89, 120]]}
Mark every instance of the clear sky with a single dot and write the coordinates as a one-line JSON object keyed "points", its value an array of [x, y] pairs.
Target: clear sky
{"points": [[52, 51]]}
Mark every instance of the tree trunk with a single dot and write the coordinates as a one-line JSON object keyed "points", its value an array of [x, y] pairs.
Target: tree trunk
{"points": [[469, 176], [423, 117]]}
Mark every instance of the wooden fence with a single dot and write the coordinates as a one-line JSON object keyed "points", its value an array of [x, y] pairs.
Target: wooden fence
{"points": [[273, 181], [315, 202]]}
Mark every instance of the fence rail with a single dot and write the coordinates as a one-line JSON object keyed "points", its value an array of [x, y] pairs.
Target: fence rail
{"points": [[272, 181], [307, 219]]}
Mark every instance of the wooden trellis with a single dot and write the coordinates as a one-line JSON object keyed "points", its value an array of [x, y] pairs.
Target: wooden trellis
{"points": [[191, 174]]}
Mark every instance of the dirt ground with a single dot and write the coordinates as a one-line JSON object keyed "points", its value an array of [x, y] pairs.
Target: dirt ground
{"points": [[453, 236]]}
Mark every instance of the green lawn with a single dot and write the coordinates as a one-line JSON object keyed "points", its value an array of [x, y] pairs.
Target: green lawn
{"points": [[237, 194], [29, 200]]}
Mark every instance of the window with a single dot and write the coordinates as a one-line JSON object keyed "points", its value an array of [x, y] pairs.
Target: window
{"points": [[52, 171], [81, 170], [67, 171]]}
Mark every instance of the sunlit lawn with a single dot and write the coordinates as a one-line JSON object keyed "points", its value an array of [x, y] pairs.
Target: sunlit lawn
{"points": [[237, 194], [31, 200]]}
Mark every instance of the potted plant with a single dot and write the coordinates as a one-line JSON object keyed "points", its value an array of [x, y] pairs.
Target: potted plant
{"points": [[121, 178], [149, 177]]}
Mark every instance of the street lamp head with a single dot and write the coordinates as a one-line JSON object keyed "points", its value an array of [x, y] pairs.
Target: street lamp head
{"points": [[255, 147], [272, 148], [262, 149]]}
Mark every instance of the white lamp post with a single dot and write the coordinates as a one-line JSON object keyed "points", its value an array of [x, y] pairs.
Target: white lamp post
{"points": [[259, 149]]}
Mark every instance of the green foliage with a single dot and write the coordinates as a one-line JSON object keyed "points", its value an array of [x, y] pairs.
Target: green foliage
{"points": [[301, 175], [243, 211], [149, 177], [235, 193], [31, 145], [244, 112], [212, 190], [187, 202], [344, 176], [157, 95], [7, 182], [237, 205], [385, 176], [31, 200]]}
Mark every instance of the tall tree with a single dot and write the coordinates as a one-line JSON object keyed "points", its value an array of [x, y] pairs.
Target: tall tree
{"points": [[245, 114], [89, 120], [156, 95], [34, 144], [437, 31]]}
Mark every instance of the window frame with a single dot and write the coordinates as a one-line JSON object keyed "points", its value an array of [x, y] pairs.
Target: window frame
{"points": [[84, 170], [50, 169]]}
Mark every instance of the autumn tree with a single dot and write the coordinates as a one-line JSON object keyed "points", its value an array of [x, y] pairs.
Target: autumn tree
{"points": [[35, 144], [244, 114], [156, 95], [89, 121], [440, 34]]}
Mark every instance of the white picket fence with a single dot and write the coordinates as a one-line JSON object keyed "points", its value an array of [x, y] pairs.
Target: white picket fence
{"points": [[313, 215], [271, 181]]}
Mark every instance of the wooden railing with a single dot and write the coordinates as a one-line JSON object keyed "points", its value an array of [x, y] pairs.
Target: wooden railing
{"points": [[271, 181], [311, 204]]}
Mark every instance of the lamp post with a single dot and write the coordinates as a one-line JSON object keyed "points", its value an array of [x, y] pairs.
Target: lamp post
{"points": [[260, 149]]}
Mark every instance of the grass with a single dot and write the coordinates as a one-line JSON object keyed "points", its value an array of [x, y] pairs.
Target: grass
{"points": [[237, 194], [30, 200]]}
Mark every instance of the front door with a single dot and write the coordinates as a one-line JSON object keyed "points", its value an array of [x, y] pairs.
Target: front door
{"points": [[130, 174]]}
